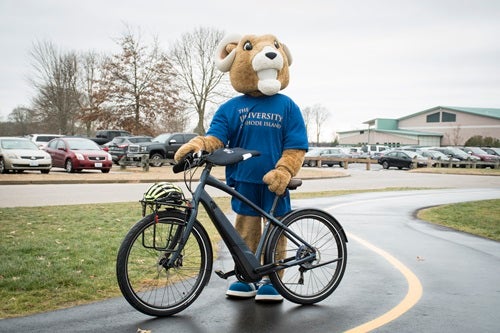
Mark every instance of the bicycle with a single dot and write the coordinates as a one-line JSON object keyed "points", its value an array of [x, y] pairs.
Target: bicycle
{"points": [[166, 258]]}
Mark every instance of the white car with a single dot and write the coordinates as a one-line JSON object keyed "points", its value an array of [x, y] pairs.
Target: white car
{"points": [[42, 139], [20, 154]]}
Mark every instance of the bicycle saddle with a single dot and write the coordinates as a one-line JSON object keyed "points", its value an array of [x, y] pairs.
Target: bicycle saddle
{"points": [[228, 156]]}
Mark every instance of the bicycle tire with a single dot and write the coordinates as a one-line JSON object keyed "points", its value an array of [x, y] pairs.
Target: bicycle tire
{"points": [[145, 283], [317, 281]]}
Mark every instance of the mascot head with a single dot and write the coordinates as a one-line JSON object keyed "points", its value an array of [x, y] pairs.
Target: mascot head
{"points": [[256, 64]]}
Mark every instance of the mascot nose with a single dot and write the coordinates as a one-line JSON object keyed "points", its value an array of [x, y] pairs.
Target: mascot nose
{"points": [[271, 55]]}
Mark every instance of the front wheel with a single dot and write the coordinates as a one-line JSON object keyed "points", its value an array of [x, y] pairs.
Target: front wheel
{"points": [[156, 160], [3, 169], [146, 280], [69, 166], [311, 281]]}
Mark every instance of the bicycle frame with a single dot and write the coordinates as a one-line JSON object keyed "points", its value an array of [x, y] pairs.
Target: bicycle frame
{"points": [[246, 260]]}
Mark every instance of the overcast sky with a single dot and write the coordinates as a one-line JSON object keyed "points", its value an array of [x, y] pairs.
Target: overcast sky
{"points": [[360, 59]]}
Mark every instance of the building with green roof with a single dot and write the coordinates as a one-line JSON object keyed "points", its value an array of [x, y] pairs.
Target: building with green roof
{"points": [[438, 126]]}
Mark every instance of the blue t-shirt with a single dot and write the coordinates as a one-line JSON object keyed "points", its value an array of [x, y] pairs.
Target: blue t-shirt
{"points": [[269, 124]]}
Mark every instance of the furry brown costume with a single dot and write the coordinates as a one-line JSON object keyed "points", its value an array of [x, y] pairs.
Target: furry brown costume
{"points": [[254, 72]]}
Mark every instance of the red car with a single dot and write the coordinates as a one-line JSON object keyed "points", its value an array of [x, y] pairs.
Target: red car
{"points": [[76, 154]]}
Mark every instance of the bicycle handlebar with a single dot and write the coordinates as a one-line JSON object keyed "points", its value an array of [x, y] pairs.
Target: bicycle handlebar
{"points": [[222, 157]]}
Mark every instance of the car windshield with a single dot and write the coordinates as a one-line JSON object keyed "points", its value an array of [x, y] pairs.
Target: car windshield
{"points": [[79, 144], [18, 144], [413, 154], [437, 154], [458, 152], [162, 137], [476, 150], [140, 139], [314, 152]]}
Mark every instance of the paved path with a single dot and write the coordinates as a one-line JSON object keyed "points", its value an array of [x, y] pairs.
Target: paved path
{"points": [[458, 274]]}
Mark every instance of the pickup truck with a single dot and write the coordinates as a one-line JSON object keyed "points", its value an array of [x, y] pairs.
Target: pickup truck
{"points": [[161, 148], [104, 136]]}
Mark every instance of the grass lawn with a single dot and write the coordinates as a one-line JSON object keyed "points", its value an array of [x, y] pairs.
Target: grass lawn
{"points": [[480, 218], [55, 257]]}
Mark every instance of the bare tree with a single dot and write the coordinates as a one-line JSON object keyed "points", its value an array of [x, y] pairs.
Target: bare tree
{"points": [[307, 115], [455, 136], [56, 100], [138, 89], [202, 83], [316, 114], [22, 117], [89, 75]]}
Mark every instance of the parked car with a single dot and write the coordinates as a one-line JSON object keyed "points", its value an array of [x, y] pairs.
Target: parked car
{"points": [[76, 154], [456, 153], [436, 155], [104, 136], [118, 147], [324, 152], [402, 159], [163, 147], [20, 154], [484, 156], [375, 151], [492, 150], [357, 152], [42, 139]]}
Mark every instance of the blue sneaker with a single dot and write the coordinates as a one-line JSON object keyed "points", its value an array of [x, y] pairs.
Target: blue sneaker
{"points": [[267, 293], [241, 290]]}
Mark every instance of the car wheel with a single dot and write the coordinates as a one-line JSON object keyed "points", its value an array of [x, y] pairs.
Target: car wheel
{"points": [[385, 165], [2, 166], [411, 166], [155, 160], [45, 171], [312, 163], [69, 166], [105, 170], [341, 164]]}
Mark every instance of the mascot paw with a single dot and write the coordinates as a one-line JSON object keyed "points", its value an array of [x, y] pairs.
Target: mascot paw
{"points": [[196, 144], [277, 180]]}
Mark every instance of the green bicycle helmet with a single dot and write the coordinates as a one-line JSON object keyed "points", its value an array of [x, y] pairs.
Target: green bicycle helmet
{"points": [[163, 192]]}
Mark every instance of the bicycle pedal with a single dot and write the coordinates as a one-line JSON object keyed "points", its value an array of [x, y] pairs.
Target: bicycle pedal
{"points": [[223, 275]]}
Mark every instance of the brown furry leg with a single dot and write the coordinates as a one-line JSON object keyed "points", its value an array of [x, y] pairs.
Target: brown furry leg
{"points": [[250, 229], [281, 252]]}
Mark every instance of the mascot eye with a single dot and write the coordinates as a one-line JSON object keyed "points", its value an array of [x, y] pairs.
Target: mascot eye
{"points": [[276, 44], [247, 46]]}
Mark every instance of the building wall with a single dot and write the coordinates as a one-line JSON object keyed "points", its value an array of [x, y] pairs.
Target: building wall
{"points": [[361, 137], [457, 132]]}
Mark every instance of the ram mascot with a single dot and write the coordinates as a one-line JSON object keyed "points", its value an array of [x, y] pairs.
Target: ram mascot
{"points": [[259, 119]]}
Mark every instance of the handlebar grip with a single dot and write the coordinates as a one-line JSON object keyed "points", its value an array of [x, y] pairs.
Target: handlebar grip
{"points": [[181, 165]]}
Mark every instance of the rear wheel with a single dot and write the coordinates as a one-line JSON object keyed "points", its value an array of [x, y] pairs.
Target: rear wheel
{"points": [[311, 281], [146, 280], [45, 171], [385, 165]]}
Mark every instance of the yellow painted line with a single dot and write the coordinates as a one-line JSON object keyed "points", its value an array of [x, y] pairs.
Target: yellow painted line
{"points": [[413, 295]]}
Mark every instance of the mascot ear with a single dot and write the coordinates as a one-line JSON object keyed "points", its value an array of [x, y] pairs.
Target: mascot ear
{"points": [[225, 52], [288, 54]]}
